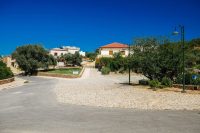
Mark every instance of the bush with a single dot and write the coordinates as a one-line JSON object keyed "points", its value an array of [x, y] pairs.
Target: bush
{"points": [[197, 81], [105, 61], [115, 63], [188, 79], [105, 70], [97, 64], [166, 82], [143, 82], [5, 71], [178, 79], [154, 83]]}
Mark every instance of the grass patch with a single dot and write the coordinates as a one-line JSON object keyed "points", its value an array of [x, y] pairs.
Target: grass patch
{"points": [[67, 71]]}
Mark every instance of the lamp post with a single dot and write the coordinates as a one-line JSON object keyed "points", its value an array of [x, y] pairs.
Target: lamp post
{"points": [[182, 33], [129, 69]]}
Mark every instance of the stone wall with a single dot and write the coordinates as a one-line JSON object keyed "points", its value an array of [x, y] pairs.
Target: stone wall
{"points": [[4, 81]]}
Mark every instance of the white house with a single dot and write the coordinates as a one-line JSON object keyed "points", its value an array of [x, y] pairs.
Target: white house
{"points": [[82, 53], [71, 50], [12, 64], [65, 50], [109, 49], [56, 52]]}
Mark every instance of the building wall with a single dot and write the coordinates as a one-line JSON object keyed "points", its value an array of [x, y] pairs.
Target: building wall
{"points": [[104, 52], [10, 62], [59, 52], [73, 51], [82, 53]]}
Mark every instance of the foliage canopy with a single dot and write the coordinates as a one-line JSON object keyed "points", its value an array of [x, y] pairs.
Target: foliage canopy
{"points": [[32, 57]]}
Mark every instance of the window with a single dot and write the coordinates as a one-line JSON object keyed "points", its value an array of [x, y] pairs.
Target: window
{"points": [[110, 52], [123, 52], [55, 54]]}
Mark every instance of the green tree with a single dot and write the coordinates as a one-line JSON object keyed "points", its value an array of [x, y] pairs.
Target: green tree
{"points": [[32, 57], [76, 59], [169, 60], [156, 61], [91, 55], [105, 61], [193, 54], [51, 61], [115, 63], [118, 62], [68, 58], [73, 59]]}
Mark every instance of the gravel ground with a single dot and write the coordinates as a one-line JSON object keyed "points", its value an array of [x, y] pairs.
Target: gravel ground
{"points": [[94, 89]]}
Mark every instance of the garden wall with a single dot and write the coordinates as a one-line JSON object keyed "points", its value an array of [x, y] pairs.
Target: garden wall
{"points": [[4, 81]]}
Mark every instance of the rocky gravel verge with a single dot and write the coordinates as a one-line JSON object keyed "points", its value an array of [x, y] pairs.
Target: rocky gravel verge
{"points": [[93, 89], [17, 82]]}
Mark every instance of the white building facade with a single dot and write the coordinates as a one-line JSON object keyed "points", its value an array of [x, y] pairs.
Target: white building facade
{"points": [[110, 49], [56, 52]]}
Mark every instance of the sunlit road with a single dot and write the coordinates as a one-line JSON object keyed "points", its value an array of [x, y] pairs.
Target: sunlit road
{"points": [[33, 108]]}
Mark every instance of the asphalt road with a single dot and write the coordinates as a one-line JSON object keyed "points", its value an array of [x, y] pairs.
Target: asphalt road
{"points": [[33, 108]]}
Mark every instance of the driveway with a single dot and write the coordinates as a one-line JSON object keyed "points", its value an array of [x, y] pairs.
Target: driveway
{"points": [[33, 108]]}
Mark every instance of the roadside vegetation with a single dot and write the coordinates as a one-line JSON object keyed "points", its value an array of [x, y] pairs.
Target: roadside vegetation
{"points": [[92, 55], [71, 59], [159, 61], [32, 58], [115, 64], [162, 63], [5, 71]]}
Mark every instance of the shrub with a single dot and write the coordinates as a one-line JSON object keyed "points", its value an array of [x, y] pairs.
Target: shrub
{"points": [[154, 83], [188, 79], [166, 82], [105, 70], [105, 61], [196, 81], [98, 65], [143, 82], [5, 71]]}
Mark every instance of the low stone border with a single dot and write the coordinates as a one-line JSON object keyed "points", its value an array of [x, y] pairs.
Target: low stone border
{"points": [[188, 87], [5, 81], [81, 73], [61, 75]]}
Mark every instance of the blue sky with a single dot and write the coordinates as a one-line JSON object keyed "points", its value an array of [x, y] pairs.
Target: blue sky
{"points": [[92, 23]]}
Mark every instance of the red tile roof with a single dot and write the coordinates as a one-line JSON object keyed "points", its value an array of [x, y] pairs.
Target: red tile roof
{"points": [[115, 45]]}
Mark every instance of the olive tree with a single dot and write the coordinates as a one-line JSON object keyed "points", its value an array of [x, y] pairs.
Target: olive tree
{"points": [[156, 61], [32, 57]]}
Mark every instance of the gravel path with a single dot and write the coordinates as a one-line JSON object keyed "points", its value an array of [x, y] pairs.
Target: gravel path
{"points": [[94, 89]]}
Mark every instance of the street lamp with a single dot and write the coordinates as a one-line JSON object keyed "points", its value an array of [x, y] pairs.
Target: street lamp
{"points": [[129, 69], [182, 33]]}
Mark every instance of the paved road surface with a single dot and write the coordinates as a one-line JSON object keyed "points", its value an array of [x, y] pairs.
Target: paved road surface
{"points": [[33, 108]]}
